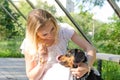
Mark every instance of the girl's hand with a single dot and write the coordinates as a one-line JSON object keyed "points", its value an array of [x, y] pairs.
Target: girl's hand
{"points": [[43, 53], [81, 70], [42, 49]]}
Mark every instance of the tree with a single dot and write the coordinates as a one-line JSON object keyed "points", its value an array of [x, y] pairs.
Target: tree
{"points": [[90, 3], [105, 35], [6, 23], [46, 6], [107, 38]]}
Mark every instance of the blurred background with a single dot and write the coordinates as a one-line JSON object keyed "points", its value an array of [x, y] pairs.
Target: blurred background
{"points": [[98, 19]]}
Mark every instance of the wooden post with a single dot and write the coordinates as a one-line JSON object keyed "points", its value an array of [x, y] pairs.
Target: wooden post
{"points": [[99, 66], [10, 15], [115, 7], [17, 9], [72, 20], [30, 4]]}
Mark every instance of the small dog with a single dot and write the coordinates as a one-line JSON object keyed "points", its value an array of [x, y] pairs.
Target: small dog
{"points": [[72, 58]]}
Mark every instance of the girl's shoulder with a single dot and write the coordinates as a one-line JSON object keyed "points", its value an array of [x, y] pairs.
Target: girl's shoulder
{"points": [[65, 25], [26, 47], [66, 31]]}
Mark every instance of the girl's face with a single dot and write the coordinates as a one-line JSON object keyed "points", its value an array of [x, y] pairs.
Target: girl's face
{"points": [[47, 33]]}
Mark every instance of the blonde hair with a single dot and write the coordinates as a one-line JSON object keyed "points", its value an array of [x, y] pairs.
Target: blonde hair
{"points": [[38, 18]]}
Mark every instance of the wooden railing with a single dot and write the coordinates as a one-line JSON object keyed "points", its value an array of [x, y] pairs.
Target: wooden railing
{"points": [[107, 57]]}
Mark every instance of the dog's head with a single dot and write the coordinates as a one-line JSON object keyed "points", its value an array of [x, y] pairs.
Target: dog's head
{"points": [[72, 58], [66, 60]]}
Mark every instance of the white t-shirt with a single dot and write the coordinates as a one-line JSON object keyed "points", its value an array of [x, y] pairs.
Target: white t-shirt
{"points": [[57, 71]]}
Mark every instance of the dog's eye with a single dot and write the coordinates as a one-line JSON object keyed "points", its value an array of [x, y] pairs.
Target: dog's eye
{"points": [[68, 55], [64, 63]]}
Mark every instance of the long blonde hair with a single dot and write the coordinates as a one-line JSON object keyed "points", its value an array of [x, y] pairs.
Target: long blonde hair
{"points": [[36, 19]]}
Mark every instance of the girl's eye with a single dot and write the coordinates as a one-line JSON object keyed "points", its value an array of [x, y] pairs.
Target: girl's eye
{"points": [[44, 34], [52, 29], [50, 32]]}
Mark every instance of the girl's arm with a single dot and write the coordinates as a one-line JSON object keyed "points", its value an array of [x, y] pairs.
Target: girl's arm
{"points": [[89, 49], [82, 43], [34, 70]]}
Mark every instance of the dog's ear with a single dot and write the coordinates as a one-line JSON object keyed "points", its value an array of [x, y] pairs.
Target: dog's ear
{"points": [[66, 60], [78, 54]]}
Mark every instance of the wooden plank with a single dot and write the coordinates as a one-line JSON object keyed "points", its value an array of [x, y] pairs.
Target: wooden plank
{"points": [[108, 57], [12, 69]]}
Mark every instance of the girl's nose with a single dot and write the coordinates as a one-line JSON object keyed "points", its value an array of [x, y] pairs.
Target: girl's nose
{"points": [[50, 36]]}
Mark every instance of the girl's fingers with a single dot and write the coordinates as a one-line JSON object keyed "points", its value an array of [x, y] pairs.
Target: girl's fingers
{"points": [[78, 72], [42, 49]]}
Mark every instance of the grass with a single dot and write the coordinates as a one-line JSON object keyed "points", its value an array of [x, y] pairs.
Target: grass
{"points": [[110, 70], [11, 48]]}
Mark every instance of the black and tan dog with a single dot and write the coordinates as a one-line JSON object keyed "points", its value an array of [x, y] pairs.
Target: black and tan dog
{"points": [[73, 58]]}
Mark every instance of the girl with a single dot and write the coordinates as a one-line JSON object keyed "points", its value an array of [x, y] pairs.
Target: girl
{"points": [[45, 40]]}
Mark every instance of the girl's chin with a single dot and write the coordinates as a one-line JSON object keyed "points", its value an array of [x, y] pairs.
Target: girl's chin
{"points": [[49, 43]]}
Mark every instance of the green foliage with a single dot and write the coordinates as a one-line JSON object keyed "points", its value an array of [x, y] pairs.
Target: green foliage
{"points": [[110, 70], [46, 6], [89, 4], [6, 21], [105, 35], [25, 8], [83, 19], [107, 38], [10, 48], [7, 24]]}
